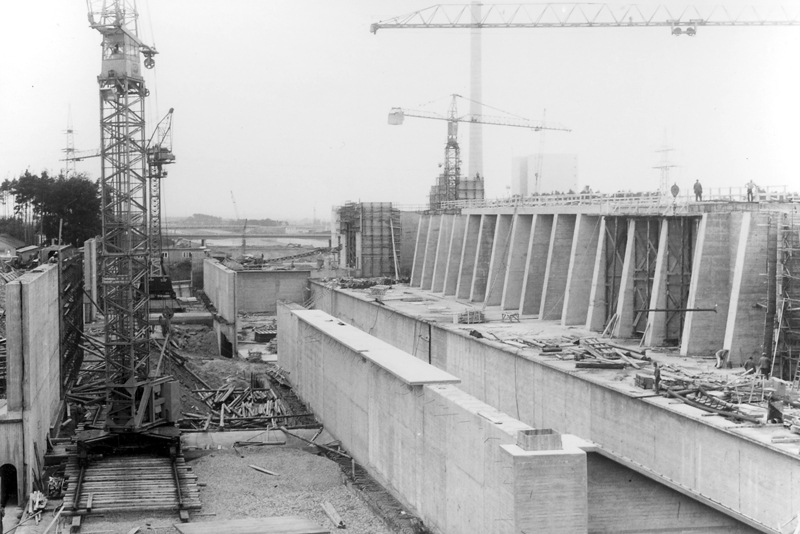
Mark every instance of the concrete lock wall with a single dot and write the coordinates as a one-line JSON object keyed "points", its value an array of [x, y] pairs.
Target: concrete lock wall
{"points": [[453, 459], [675, 446], [219, 285], [551, 262], [33, 370], [259, 291]]}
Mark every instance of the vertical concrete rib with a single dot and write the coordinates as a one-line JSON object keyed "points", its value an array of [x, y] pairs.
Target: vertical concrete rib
{"points": [[704, 332], [555, 277], [468, 251], [581, 267], [454, 249], [625, 313], [736, 286], [538, 249], [430, 251], [419, 250], [442, 247], [483, 256], [595, 317], [517, 256], [656, 329], [499, 262]]}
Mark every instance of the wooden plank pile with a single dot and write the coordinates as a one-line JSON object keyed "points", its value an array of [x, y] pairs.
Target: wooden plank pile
{"points": [[3, 358], [235, 407], [129, 484]]}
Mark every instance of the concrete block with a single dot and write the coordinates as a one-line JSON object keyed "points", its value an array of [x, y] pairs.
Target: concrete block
{"points": [[655, 331], [625, 313], [539, 439]]}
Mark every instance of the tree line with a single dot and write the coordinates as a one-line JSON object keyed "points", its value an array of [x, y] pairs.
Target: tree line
{"points": [[42, 203]]}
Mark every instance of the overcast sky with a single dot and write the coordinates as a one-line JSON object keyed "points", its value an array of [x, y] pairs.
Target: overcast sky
{"points": [[285, 103]]}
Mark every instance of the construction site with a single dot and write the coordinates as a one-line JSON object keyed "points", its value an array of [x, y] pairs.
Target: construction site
{"points": [[555, 360]]}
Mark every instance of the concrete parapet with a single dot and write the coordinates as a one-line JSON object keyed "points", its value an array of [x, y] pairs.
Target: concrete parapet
{"points": [[455, 247], [449, 456]]}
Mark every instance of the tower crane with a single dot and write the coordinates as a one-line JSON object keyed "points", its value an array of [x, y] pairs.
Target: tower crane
{"points": [[244, 230], [684, 20], [140, 403], [159, 154], [448, 188]]}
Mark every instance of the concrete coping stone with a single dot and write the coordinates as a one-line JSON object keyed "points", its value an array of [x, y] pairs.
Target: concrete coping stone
{"points": [[403, 365]]}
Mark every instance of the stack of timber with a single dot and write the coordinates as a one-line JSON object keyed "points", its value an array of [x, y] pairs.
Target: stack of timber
{"points": [[3, 359], [235, 408], [129, 484]]}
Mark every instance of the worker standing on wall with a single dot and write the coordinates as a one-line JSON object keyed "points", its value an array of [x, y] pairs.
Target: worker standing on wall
{"points": [[750, 190], [698, 191], [764, 364]]}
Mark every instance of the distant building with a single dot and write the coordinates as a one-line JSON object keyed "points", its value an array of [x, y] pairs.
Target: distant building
{"points": [[559, 173], [9, 245]]}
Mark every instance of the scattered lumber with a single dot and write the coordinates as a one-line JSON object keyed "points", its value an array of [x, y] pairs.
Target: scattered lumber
{"points": [[330, 511], [261, 469], [599, 365]]}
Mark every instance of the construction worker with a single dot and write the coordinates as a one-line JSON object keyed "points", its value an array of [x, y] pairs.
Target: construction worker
{"points": [[165, 320], [698, 191], [722, 357], [751, 186], [764, 364], [749, 366], [656, 378]]}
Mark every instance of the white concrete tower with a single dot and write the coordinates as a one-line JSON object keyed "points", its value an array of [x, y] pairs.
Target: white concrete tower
{"points": [[475, 129]]}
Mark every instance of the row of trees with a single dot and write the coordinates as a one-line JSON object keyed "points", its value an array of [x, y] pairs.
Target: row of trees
{"points": [[43, 202]]}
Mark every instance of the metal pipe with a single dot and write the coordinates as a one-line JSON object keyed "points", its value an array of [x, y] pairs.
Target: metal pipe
{"points": [[679, 310]]}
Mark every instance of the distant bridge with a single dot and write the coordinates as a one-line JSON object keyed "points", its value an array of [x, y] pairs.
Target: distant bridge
{"points": [[187, 235]]}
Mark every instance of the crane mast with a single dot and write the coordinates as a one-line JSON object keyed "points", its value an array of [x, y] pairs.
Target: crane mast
{"points": [[136, 400], [450, 186], [159, 154]]}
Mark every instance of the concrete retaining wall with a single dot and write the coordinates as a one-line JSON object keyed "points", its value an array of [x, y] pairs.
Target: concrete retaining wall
{"points": [[260, 291], [34, 370], [721, 469], [452, 458]]}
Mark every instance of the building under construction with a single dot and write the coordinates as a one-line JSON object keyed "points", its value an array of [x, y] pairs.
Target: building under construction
{"points": [[369, 234]]}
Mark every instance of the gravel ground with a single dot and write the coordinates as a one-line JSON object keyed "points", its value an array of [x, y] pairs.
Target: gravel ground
{"points": [[234, 491]]}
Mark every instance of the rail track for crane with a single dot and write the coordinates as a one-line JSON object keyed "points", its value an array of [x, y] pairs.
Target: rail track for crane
{"points": [[129, 484]]}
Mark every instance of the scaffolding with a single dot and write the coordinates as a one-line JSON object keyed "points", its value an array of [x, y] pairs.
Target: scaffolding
{"points": [[370, 234], [786, 344]]}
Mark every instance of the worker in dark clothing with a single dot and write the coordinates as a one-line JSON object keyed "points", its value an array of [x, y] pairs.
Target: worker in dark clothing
{"points": [[751, 186], [656, 378], [165, 320], [698, 191], [749, 366], [764, 365]]}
